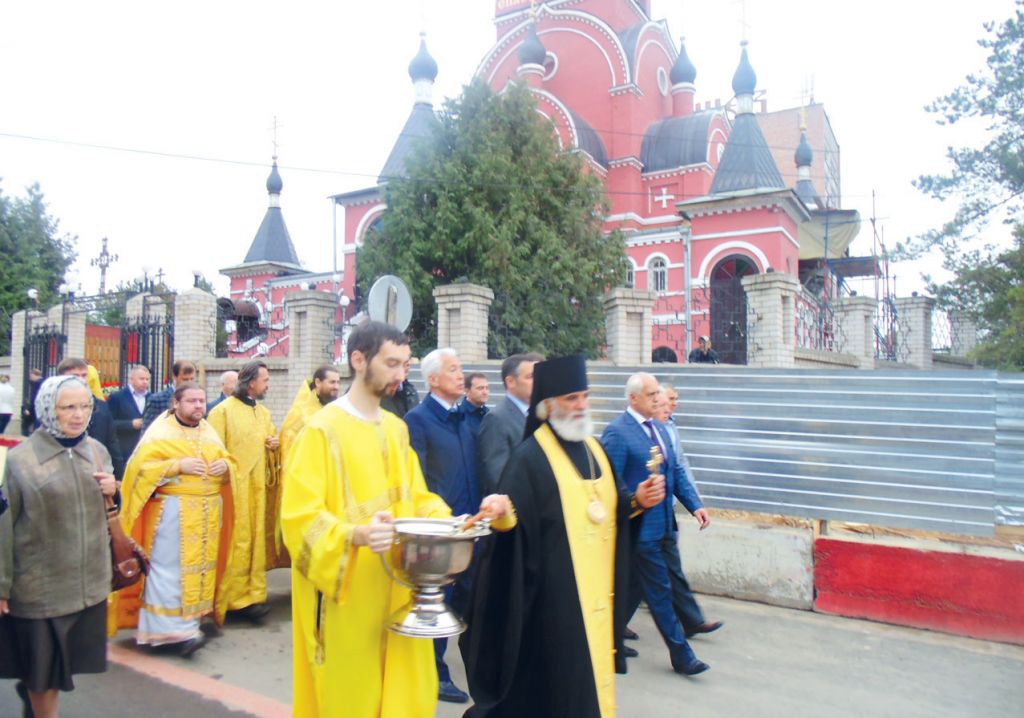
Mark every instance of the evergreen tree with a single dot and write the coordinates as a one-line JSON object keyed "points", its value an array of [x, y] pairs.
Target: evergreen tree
{"points": [[988, 181], [492, 200]]}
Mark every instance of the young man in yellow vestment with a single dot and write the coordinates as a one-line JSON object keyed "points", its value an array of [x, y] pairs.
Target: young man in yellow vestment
{"points": [[245, 427], [176, 501], [349, 474]]}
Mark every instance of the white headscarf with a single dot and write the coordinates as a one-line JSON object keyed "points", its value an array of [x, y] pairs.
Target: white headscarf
{"points": [[46, 402]]}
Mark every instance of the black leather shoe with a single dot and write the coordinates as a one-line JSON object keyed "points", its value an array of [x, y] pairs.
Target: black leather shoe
{"points": [[630, 652], [187, 648], [692, 668], [450, 693], [254, 613], [704, 628], [26, 704], [630, 635]]}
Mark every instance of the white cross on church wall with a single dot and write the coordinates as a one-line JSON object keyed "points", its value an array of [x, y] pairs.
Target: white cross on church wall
{"points": [[664, 197]]}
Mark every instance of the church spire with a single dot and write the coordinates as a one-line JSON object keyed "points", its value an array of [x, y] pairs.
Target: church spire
{"points": [[683, 75], [532, 54], [423, 71]]}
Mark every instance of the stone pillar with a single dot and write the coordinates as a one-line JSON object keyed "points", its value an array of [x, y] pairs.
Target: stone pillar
{"points": [[964, 332], [156, 308], [857, 318], [915, 313], [73, 325], [310, 335], [462, 312], [195, 325], [18, 368], [771, 328], [628, 325]]}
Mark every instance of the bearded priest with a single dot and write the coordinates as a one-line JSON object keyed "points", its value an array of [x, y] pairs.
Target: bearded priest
{"points": [[550, 597]]}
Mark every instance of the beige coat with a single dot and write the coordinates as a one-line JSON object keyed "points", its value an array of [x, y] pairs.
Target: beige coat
{"points": [[54, 542]]}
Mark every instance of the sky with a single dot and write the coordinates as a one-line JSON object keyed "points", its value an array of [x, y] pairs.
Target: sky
{"points": [[152, 124]]}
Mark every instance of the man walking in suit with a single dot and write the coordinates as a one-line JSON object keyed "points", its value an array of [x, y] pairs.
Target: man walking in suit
{"points": [[126, 407], [628, 441], [156, 404], [502, 428], [446, 446]]}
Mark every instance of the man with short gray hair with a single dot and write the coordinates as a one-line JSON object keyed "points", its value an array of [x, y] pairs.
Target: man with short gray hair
{"points": [[228, 380], [446, 447]]}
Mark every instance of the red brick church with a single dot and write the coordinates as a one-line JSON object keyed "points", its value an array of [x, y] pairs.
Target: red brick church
{"points": [[706, 191]]}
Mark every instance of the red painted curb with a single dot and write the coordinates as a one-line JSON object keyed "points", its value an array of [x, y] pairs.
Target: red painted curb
{"points": [[968, 595]]}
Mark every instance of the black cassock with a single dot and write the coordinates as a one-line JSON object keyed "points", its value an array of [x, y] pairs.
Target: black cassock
{"points": [[526, 649]]}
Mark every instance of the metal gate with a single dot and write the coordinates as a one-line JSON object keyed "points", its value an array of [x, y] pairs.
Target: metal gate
{"points": [[44, 349], [149, 340], [729, 309]]}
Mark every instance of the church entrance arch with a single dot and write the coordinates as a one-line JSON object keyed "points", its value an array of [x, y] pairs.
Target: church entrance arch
{"points": [[729, 308]]}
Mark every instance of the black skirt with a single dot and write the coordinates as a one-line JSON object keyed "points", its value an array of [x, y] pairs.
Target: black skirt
{"points": [[45, 652]]}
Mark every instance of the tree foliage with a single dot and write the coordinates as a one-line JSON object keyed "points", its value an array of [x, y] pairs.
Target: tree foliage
{"points": [[492, 200], [988, 181], [34, 255]]}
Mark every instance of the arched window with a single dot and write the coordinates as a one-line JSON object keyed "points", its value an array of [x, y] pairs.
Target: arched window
{"points": [[630, 278], [657, 275]]}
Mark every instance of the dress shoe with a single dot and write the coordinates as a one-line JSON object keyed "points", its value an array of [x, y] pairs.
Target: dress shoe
{"points": [[26, 704], [254, 613], [692, 668], [630, 635], [704, 628], [630, 652], [187, 648], [450, 693]]}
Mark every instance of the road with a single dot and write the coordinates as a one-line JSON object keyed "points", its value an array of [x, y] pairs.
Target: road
{"points": [[765, 662]]}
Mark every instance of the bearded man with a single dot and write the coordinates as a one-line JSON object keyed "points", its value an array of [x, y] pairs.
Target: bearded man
{"points": [[177, 503], [545, 627]]}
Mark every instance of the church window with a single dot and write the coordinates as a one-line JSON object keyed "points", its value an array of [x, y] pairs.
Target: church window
{"points": [[657, 273]]}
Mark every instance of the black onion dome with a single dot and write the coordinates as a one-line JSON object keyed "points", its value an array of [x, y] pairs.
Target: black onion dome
{"points": [[745, 80], [803, 155], [683, 70], [423, 66], [532, 51], [274, 183]]}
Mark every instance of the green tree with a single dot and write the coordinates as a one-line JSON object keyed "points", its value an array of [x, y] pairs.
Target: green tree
{"points": [[988, 181], [491, 199], [34, 255]]}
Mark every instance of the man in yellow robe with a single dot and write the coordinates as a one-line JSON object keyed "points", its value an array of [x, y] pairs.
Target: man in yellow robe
{"points": [[248, 433], [349, 474], [176, 501]]}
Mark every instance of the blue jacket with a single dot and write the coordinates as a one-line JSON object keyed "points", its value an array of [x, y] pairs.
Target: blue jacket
{"points": [[124, 411], [629, 449], [474, 415], [446, 446]]}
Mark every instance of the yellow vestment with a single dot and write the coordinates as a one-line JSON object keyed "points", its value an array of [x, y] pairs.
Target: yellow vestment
{"points": [[341, 471], [244, 430], [205, 514]]}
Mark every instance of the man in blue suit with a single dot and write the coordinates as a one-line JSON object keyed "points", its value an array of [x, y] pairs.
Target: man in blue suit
{"points": [[628, 441], [126, 407], [446, 445]]}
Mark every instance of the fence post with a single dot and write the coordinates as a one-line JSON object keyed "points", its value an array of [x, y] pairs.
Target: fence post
{"points": [[462, 314], [311, 317], [857, 318], [628, 322], [771, 319], [963, 331], [916, 314], [195, 325]]}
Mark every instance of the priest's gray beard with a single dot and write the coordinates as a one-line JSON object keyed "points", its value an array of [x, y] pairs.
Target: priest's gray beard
{"points": [[571, 427]]}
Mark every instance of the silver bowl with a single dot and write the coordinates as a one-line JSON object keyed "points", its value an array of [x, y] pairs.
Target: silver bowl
{"points": [[427, 556]]}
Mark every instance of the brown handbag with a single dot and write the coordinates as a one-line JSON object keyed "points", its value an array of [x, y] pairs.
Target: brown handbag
{"points": [[128, 560]]}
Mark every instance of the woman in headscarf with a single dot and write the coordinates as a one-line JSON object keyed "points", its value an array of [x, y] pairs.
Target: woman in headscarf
{"points": [[55, 550]]}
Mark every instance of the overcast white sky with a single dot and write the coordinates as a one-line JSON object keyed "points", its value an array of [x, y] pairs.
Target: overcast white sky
{"points": [[192, 88]]}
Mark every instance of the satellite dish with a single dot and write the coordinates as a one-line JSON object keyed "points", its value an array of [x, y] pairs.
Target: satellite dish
{"points": [[390, 302]]}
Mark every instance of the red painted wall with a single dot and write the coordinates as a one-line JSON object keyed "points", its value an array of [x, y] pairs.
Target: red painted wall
{"points": [[957, 593]]}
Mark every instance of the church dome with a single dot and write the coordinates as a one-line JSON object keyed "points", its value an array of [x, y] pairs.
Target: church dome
{"points": [[532, 51], [423, 66], [274, 183], [803, 155], [683, 70], [745, 80]]}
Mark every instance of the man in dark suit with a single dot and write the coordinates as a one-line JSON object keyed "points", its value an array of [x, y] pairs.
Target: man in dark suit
{"points": [[502, 429], [156, 404], [126, 407], [101, 424], [474, 404], [446, 447], [628, 441]]}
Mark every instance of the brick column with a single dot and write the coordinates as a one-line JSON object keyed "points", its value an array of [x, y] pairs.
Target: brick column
{"points": [[195, 325], [73, 325], [964, 333], [771, 329], [462, 313], [628, 325], [133, 308], [857, 318], [915, 313], [310, 335]]}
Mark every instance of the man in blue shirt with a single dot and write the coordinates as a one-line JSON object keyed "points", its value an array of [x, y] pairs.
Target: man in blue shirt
{"points": [[628, 441], [446, 446]]}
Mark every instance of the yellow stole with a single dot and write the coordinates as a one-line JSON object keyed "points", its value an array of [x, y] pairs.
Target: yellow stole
{"points": [[592, 547]]}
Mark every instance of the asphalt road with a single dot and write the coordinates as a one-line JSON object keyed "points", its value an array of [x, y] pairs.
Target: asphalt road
{"points": [[765, 662]]}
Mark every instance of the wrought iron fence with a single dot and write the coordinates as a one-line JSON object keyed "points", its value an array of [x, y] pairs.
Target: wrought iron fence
{"points": [[891, 333], [816, 324], [953, 332]]}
